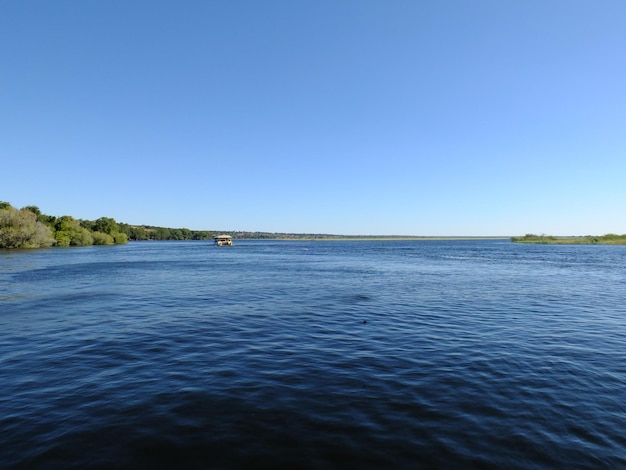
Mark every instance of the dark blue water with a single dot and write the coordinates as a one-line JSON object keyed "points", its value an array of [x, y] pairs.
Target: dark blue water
{"points": [[403, 354]]}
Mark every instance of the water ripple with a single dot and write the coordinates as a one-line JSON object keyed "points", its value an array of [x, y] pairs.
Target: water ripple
{"points": [[314, 355]]}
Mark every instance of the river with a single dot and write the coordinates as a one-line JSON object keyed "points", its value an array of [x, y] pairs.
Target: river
{"points": [[313, 354]]}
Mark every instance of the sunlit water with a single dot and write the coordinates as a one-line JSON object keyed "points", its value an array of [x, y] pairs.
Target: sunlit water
{"points": [[402, 354]]}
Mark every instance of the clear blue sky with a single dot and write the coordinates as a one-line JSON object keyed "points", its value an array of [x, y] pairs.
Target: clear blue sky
{"points": [[329, 116]]}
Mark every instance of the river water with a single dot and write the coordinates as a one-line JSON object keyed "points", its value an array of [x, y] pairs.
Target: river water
{"points": [[298, 354]]}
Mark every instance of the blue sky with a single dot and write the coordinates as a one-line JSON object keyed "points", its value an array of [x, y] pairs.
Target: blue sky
{"points": [[329, 116]]}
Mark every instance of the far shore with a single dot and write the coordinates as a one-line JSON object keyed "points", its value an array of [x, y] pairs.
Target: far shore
{"points": [[380, 238], [608, 239]]}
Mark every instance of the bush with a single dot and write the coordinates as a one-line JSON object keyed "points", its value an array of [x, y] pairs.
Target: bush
{"points": [[120, 238], [20, 229], [63, 238], [81, 237], [67, 226], [100, 238]]}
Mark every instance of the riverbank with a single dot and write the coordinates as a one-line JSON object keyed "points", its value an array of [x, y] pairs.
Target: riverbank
{"points": [[608, 239], [374, 238]]}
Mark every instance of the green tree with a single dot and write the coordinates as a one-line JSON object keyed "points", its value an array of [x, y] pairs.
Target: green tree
{"points": [[160, 233], [134, 233], [120, 238], [21, 229], [34, 209], [106, 225], [100, 238], [176, 234], [62, 237], [202, 235], [68, 227], [88, 224], [49, 220]]}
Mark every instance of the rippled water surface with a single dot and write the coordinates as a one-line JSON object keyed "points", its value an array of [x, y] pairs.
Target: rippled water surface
{"points": [[275, 354]]}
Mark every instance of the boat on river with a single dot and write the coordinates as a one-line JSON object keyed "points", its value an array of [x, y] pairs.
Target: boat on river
{"points": [[223, 240]]}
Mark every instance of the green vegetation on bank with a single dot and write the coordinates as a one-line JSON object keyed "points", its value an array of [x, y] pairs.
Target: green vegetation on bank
{"points": [[149, 232], [608, 239], [29, 228]]}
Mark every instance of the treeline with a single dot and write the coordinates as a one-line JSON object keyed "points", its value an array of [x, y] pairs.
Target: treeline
{"points": [[148, 232], [279, 236], [608, 239], [28, 227]]}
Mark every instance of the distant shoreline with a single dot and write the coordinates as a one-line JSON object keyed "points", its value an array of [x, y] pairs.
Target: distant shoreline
{"points": [[257, 235], [608, 239], [393, 238], [347, 238]]}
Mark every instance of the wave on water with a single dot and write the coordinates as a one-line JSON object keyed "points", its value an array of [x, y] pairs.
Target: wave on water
{"points": [[473, 354]]}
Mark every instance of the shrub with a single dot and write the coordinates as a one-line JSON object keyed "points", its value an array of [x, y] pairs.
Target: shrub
{"points": [[120, 238], [20, 229], [63, 238], [100, 238]]}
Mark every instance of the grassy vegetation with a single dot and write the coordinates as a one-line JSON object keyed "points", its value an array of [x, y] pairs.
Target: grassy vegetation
{"points": [[608, 239]]}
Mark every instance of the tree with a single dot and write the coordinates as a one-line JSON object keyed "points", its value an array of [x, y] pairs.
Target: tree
{"points": [[21, 229], [63, 238], [134, 233], [160, 233], [88, 224], [106, 225], [120, 238], [202, 235], [100, 238], [34, 209], [69, 232], [49, 220]]}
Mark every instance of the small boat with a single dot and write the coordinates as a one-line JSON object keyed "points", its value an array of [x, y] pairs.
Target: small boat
{"points": [[223, 240]]}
